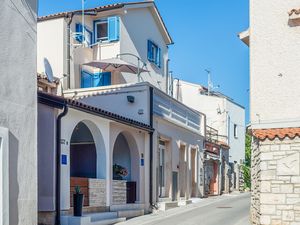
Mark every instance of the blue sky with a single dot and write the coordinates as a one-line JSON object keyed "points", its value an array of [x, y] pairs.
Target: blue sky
{"points": [[205, 36]]}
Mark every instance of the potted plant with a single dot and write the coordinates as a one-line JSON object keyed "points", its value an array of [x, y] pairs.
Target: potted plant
{"points": [[77, 202], [119, 172]]}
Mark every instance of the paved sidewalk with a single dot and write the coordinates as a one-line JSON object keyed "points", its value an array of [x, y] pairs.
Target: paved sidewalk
{"points": [[232, 209]]}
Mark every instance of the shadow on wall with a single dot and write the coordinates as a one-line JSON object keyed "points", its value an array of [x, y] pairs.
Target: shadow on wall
{"points": [[13, 179]]}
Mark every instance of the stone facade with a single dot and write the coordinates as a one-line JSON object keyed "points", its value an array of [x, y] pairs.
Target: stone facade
{"points": [[97, 192], [275, 181], [119, 192]]}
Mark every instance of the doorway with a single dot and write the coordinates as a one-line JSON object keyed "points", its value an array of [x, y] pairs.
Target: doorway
{"points": [[162, 175]]}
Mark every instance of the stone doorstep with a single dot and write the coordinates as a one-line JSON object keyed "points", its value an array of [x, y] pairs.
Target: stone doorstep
{"points": [[163, 206]]}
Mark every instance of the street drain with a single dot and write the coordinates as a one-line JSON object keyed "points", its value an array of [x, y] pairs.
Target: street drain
{"points": [[224, 207]]}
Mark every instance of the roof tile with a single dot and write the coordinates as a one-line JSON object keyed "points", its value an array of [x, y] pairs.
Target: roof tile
{"points": [[273, 133]]}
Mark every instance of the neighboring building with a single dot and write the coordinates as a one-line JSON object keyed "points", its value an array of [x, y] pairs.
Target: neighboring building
{"points": [[217, 172], [18, 113], [273, 38], [167, 164], [222, 114]]}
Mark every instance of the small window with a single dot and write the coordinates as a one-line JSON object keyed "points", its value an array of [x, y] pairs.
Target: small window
{"points": [[101, 30], [107, 29], [235, 130], [154, 53]]}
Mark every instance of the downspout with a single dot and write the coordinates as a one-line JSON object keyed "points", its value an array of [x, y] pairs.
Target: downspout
{"points": [[151, 148], [69, 21], [58, 163]]}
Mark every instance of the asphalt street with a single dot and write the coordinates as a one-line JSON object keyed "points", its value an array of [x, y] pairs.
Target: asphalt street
{"points": [[230, 209]]}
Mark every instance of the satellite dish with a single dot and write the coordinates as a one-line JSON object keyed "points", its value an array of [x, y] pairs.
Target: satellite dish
{"points": [[48, 70]]}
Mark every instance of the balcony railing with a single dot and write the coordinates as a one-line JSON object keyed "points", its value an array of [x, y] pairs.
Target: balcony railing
{"points": [[169, 108]]}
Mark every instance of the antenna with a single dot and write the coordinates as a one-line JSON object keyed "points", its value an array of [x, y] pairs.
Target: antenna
{"points": [[48, 70], [209, 83]]}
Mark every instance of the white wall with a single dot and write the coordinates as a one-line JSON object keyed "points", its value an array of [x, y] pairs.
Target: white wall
{"points": [[46, 157], [237, 144], [50, 45], [218, 110], [274, 98], [115, 100], [18, 106], [137, 27]]}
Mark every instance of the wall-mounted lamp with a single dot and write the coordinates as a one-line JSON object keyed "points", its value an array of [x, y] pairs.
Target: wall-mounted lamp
{"points": [[130, 99]]}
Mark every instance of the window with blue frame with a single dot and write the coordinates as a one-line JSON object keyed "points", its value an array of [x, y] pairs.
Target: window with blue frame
{"points": [[154, 53], [83, 36], [98, 79], [107, 29]]}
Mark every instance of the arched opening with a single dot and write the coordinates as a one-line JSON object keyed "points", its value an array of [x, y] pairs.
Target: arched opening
{"points": [[83, 156], [126, 164], [87, 158]]}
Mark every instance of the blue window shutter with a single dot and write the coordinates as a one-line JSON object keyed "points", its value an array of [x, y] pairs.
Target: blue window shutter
{"points": [[149, 50], [106, 78], [158, 57], [78, 28], [113, 28], [86, 80]]}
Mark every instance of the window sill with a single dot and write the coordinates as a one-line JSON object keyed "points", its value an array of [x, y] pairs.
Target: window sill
{"points": [[156, 66], [106, 43]]}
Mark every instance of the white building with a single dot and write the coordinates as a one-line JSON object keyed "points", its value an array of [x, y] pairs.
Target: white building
{"points": [[274, 110], [134, 28], [173, 153], [222, 114], [18, 113]]}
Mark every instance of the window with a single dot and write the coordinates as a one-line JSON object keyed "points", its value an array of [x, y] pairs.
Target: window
{"points": [[95, 80], [79, 34], [106, 29], [235, 130], [154, 53], [101, 33]]}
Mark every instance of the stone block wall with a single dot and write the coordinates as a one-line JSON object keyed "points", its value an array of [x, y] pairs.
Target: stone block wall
{"points": [[97, 192], [119, 194], [276, 182]]}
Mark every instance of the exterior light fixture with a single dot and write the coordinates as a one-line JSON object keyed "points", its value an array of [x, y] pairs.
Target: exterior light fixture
{"points": [[130, 99]]}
